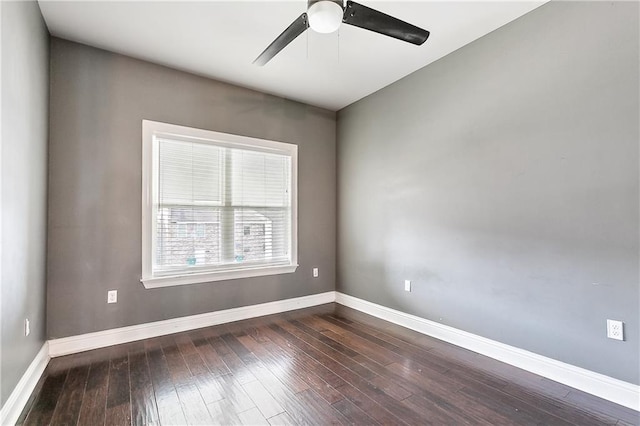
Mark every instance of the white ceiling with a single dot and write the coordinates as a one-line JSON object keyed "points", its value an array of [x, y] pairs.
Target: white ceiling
{"points": [[220, 39]]}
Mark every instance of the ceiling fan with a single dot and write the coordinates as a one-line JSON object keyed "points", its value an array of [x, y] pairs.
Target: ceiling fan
{"points": [[325, 16]]}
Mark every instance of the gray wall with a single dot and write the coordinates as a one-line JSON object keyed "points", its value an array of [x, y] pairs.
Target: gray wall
{"points": [[98, 102], [503, 180], [25, 102]]}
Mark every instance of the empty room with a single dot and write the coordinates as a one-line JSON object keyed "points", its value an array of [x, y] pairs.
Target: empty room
{"points": [[313, 212]]}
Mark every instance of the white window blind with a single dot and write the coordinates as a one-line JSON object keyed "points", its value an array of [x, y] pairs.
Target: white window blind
{"points": [[218, 206]]}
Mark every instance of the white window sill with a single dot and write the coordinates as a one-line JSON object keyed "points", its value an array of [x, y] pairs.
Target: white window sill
{"points": [[173, 280]]}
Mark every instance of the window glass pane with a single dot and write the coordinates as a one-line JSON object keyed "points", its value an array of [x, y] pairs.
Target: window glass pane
{"points": [[187, 236], [189, 173], [187, 223], [219, 208], [259, 179], [261, 234]]}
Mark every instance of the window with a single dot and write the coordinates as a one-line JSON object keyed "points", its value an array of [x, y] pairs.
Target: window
{"points": [[215, 206]]}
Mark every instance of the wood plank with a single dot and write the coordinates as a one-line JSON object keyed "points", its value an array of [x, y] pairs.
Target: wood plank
{"points": [[265, 402], [144, 410], [94, 402], [435, 414], [244, 354], [180, 373], [390, 388], [274, 386], [169, 409], [552, 406], [324, 339], [464, 375], [279, 365], [512, 409], [256, 333], [190, 354], [518, 377], [318, 378], [381, 328], [70, 400], [350, 376], [229, 388], [432, 394], [346, 389], [320, 411], [232, 361], [210, 357], [376, 411], [210, 388], [118, 394], [390, 383], [361, 345], [302, 407], [395, 334], [253, 417], [379, 354], [43, 409], [302, 359], [418, 374], [605, 410], [193, 406], [283, 419], [335, 355], [352, 413], [399, 347], [223, 412]]}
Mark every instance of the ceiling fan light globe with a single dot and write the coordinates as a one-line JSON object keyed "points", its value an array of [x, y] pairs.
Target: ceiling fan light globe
{"points": [[325, 16]]}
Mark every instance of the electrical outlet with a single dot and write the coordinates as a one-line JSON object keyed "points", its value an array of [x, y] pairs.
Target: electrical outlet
{"points": [[27, 327], [112, 296], [315, 273], [615, 329], [407, 285]]}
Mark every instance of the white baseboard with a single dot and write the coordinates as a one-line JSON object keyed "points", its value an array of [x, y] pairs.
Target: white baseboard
{"points": [[18, 399], [597, 384], [116, 336]]}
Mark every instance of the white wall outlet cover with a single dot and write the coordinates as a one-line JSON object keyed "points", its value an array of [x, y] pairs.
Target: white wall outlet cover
{"points": [[407, 285], [615, 329], [27, 327], [315, 273], [112, 296]]}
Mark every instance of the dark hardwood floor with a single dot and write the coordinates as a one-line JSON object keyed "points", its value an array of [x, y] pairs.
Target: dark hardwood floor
{"points": [[322, 365]]}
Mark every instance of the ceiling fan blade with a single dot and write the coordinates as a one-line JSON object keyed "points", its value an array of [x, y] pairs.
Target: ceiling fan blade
{"points": [[364, 17], [296, 28]]}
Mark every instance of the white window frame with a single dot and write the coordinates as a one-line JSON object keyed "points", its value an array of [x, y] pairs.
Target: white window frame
{"points": [[154, 129]]}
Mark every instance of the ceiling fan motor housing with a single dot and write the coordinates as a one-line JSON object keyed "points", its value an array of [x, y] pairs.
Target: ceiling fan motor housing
{"points": [[325, 16], [338, 2]]}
